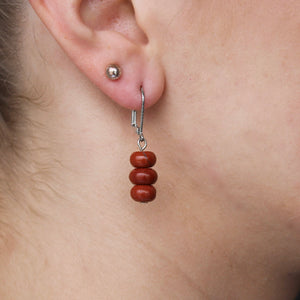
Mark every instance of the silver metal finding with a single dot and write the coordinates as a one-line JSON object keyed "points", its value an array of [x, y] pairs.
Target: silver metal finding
{"points": [[113, 72], [142, 143]]}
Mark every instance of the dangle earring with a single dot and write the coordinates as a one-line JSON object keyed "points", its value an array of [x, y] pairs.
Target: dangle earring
{"points": [[142, 176]]}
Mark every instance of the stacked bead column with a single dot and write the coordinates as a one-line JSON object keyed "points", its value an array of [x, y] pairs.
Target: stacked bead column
{"points": [[143, 176]]}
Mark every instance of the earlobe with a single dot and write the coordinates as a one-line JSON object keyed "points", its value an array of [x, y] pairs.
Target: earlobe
{"points": [[96, 34]]}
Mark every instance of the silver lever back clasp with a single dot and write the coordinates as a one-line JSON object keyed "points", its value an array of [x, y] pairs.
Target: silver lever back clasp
{"points": [[142, 143]]}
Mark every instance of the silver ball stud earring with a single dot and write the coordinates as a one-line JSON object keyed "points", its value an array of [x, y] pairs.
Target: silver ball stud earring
{"points": [[113, 72]]}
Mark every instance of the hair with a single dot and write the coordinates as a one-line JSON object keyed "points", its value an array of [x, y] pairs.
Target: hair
{"points": [[18, 95], [10, 16]]}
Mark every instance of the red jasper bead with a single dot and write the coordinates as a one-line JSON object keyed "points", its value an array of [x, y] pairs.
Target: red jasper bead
{"points": [[145, 159], [143, 193], [143, 176]]}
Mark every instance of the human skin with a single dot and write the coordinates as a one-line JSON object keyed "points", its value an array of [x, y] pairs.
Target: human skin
{"points": [[226, 132]]}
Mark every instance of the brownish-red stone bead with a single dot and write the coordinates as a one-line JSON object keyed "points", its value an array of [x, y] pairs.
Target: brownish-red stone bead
{"points": [[143, 193], [143, 176], [146, 159]]}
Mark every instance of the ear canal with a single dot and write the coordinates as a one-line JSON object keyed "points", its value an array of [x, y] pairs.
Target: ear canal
{"points": [[112, 15]]}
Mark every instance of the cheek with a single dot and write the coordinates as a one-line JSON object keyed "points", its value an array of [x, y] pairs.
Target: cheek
{"points": [[245, 145], [237, 126]]}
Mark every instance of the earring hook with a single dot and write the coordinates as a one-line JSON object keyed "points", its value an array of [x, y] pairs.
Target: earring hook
{"points": [[142, 143]]}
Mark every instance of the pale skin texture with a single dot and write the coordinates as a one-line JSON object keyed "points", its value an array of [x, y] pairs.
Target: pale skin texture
{"points": [[225, 129]]}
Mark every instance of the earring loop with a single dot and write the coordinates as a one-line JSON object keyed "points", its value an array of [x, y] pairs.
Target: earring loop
{"points": [[139, 129]]}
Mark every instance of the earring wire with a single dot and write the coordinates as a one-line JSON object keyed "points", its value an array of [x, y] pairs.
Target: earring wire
{"points": [[142, 143]]}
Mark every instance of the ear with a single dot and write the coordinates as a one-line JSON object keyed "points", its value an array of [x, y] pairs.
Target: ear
{"points": [[97, 33]]}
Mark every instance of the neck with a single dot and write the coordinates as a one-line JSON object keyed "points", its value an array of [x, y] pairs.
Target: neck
{"points": [[76, 230], [107, 247], [81, 237]]}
